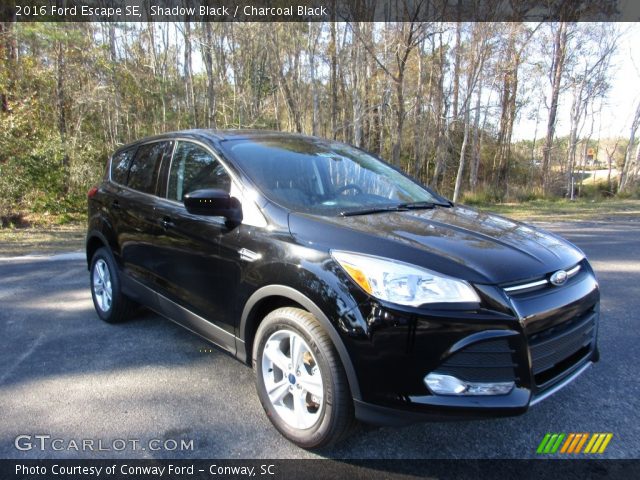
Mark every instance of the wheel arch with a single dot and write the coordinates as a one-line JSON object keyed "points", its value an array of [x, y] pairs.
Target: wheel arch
{"points": [[278, 296], [95, 240], [101, 234]]}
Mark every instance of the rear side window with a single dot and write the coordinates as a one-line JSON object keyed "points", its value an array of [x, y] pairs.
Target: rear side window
{"points": [[120, 165], [143, 174], [194, 168]]}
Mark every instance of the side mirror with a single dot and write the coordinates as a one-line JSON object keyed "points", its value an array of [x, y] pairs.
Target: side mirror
{"points": [[214, 203]]}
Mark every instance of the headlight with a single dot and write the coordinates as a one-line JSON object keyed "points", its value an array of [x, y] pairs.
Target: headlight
{"points": [[401, 283]]}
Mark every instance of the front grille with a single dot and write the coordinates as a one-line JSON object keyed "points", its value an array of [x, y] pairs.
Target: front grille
{"points": [[488, 361], [543, 283], [556, 349]]}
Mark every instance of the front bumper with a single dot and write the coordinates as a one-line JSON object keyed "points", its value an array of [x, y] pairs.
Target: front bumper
{"points": [[540, 340], [515, 403]]}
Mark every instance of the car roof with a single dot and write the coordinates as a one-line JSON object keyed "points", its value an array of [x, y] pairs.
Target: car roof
{"points": [[216, 135]]}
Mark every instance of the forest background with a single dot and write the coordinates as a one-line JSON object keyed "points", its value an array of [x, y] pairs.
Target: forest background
{"points": [[482, 112]]}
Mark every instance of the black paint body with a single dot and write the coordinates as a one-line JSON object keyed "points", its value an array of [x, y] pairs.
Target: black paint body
{"points": [[189, 268]]}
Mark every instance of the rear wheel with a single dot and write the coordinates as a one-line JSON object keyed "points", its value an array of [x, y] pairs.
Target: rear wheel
{"points": [[300, 380], [110, 303]]}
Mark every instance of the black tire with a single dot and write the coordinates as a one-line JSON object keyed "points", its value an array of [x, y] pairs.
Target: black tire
{"points": [[336, 416], [121, 307]]}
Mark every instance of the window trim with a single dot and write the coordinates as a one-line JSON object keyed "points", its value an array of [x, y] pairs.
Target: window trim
{"points": [[235, 180], [135, 148], [214, 154], [161, 178], [246, 201], [159, 171]]}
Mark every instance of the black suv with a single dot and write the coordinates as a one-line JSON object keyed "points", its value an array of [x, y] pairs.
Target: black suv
{"points": [[352, 290]]}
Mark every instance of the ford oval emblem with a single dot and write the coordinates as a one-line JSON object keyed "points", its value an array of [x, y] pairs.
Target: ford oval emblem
{"points": [[558, 278]]}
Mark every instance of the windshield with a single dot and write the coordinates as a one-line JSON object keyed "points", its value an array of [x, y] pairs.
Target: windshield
{"points": [[321, 177]]}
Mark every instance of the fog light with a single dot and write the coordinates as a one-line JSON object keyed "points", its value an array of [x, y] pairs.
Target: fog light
{"points": [[450, 385]]}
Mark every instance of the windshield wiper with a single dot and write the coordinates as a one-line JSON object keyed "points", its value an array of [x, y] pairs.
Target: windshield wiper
{"points": [[367, 211], [417, 205], [401, 207]]}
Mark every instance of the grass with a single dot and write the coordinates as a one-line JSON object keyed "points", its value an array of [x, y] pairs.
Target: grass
{"points": [[566, 210], [43, 235]]}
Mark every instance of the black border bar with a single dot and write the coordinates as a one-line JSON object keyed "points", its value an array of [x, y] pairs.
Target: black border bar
{"points": [[318, 10], [319, 469]]}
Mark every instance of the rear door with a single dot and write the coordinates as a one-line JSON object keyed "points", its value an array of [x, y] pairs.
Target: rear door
{"points": [[118, 173], [139, 229]]}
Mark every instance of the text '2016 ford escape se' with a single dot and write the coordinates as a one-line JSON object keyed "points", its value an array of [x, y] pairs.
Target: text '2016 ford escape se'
{"points": [[352, 290]]}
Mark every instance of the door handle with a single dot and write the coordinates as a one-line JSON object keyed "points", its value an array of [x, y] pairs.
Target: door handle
{"points": [[167, 223]]}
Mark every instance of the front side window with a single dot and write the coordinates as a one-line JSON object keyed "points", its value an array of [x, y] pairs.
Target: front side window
{"points": [[143, 174], [120, 164], [194, 168], [322, 177]]}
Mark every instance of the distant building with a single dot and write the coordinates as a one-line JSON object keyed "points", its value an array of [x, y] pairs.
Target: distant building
{"points": [[591, 159]]}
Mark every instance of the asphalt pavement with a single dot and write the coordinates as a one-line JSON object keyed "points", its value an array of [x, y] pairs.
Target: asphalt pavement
{"points": [[149, 385]]}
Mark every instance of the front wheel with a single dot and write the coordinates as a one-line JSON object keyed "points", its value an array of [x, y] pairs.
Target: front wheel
{"points": [[301, 383]]}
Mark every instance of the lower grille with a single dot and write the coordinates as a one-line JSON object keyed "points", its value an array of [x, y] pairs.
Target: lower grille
{"points": [[489, 361], [555, 350]]}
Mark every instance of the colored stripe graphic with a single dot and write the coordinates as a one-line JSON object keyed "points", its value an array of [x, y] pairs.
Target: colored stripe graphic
{"points": [[582, 440], [558, 442], [599, 443], [551, 442], [573, 443], [543, 443], [576, 440], [567, 443], [596, 447], [607, 439], [591, 443]]}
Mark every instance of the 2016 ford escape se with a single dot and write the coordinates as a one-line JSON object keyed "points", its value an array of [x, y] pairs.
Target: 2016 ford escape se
{"points": [[352, 290]]}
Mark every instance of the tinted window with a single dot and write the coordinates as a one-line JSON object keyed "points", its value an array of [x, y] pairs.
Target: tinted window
{"points": [[323, 177], [194, 168], [144, 171], [120, 165]]}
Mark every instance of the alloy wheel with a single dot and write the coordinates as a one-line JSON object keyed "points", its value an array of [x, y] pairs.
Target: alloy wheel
{"points": [[292, 379], [102, 289]]}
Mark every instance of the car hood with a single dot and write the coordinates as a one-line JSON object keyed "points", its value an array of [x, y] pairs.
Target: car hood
{"points": [[456, 241]]}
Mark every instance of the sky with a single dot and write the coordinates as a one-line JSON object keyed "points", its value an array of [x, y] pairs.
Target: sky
{"points": [[620, 105]]}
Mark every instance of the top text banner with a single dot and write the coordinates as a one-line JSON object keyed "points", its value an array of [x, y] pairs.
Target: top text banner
{"points": [[318, 10]]}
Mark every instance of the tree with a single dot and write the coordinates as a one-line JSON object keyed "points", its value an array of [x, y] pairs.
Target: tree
{"points": [[438, 100], [477, 54], [517, 40], [8, 54], [188, 72], [555, 74], [409, 35], [588, 81], [207, 47], [624, 179]]}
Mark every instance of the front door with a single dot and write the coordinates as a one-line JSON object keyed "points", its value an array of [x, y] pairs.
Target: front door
{"points": [[189, 266]]}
